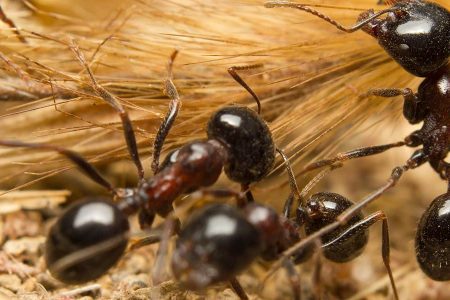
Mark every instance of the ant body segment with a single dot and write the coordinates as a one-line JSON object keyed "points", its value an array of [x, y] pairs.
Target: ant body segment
{"points": [[416, 35], [92, 234], [220, 241]]}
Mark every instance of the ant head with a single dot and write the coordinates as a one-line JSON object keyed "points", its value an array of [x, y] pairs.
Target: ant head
{"points": [[323, 208], [416, 34], [215, 245], [251, 150], [86, 240], [433, 239]]}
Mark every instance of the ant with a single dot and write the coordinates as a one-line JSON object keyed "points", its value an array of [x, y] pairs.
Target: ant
{"points": [[416, 35], [219, 241], [92, 234]]}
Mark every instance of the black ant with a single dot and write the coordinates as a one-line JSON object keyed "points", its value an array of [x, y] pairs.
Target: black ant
{"points": [[92, 234], [416, 34], [220, 241]]}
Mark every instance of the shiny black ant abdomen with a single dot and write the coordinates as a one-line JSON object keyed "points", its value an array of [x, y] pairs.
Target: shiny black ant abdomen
{"points": [[216, 244], [85, 224], [416, 34], [433, 239]]}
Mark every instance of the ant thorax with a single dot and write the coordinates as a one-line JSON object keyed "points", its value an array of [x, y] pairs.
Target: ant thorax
{"points": [[434, 91]]}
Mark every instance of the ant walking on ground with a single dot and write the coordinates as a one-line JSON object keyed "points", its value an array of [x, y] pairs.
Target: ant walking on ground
{"points": [[92, 234], [416, 34]]}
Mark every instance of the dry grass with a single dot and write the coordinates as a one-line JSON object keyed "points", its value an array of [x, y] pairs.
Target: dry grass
{"points": [[309, 86]]}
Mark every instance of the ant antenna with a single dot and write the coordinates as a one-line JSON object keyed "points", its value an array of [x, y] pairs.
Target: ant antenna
{"points": [[174, 107], [232, 71], [357, 26], [313, 182], [292, 184]]}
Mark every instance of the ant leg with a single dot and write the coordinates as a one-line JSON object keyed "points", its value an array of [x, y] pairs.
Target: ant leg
{"points": [[356, 153], [113, 101], [174, 107], [148, 240], [413, 109], [232, 71], [294, 187], [294, 279], [385, 252], [221, 193], [11, 24], [152, 239], [89, 252], [245, 188], [307, 8], [74, 157], [145, 219], [385, 249], [308, 187], [238, 289], [170, 227], [317, 275]]}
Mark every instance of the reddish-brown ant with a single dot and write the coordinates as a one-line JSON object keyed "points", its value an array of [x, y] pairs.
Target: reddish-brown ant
{"points": [[92, 234], [416, 34]]}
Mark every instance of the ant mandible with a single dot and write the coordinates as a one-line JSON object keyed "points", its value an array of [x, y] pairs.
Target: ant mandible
{"points": [[92, 234], [220, 241], [415, 34]]}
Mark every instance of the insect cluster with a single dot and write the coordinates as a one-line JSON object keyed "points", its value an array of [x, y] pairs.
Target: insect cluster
{"points": [[220, 241]]}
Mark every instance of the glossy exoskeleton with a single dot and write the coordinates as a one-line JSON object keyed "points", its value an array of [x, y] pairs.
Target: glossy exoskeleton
{"points": [[416, 34], [220, 241], [432, 239], [91, 235]]}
